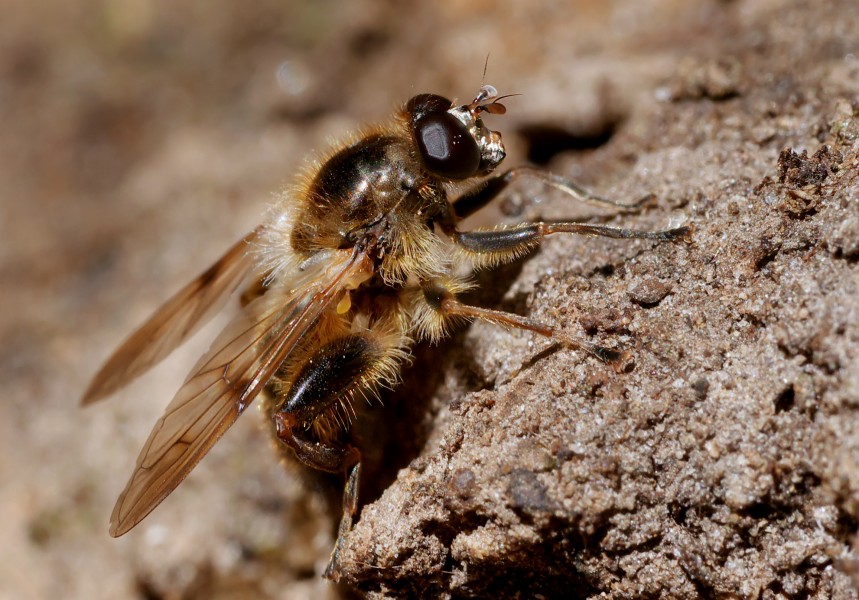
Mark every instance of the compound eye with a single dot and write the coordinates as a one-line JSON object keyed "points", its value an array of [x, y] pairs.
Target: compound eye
{"points": [[448, 150], [424, 104]]}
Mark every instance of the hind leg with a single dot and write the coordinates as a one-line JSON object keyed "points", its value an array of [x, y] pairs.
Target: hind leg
{"points": [[313, 408]]}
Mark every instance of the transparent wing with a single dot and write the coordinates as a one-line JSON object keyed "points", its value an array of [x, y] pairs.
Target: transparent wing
{"points": [[174, 322], [227, 379]]}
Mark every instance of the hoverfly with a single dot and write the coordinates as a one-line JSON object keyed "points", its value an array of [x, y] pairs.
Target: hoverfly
{"points": [[357, 262]]}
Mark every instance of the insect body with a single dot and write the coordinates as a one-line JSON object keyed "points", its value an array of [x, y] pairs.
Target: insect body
{"points": [[346, 273]]}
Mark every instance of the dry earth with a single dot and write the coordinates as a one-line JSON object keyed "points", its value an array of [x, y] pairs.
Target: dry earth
{"points": [[141, 138]]}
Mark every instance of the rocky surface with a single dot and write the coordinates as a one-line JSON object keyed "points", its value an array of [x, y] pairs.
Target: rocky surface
{"points": [[140, 140]]}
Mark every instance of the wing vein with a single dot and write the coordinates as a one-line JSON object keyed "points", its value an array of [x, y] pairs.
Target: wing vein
{"points": [[247, 353]]}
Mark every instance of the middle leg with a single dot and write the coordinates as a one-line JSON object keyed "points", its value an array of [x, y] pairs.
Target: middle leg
{"points": [[445, 308]]}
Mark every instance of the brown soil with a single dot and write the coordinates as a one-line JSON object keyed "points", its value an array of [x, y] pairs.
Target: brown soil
{"points": [[141, 138]]}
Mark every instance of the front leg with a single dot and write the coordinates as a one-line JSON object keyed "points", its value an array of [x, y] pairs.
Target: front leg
{"points": [[489, 248], [472, 201]]}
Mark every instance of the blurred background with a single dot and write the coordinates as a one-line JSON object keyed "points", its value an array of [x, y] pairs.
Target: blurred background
{"points": [[139, 139]]}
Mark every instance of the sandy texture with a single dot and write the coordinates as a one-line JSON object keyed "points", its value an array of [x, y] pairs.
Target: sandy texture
{"points": [[140, 139]]}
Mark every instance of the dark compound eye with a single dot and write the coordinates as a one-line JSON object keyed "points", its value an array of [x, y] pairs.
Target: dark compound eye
{"points": [[446, 146], [424, 104]]}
